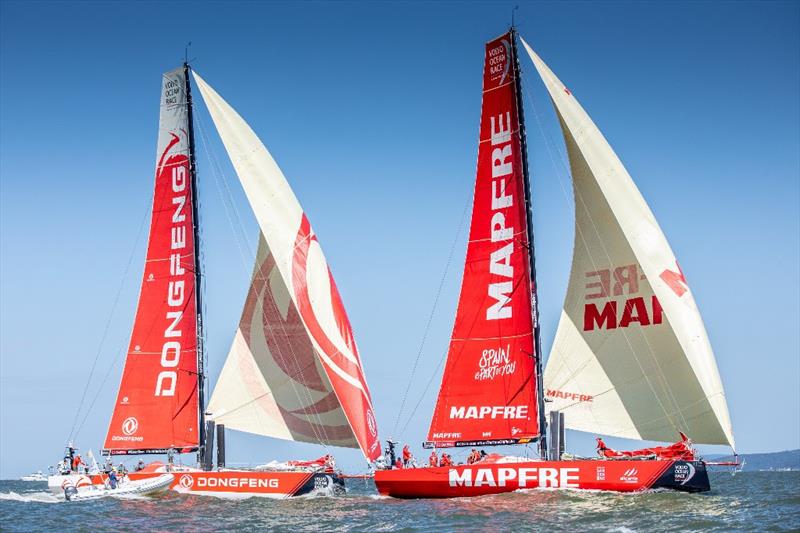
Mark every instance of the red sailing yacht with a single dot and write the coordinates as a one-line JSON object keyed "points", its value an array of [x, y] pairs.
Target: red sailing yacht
{"points": [[631, 357], [293, 371]]}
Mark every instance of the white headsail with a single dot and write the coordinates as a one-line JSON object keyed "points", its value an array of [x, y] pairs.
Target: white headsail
{"points": [[631, 357], [293, 371]]}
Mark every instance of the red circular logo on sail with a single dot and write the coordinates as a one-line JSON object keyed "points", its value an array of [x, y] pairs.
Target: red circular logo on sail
{"points": [[130, 425]]}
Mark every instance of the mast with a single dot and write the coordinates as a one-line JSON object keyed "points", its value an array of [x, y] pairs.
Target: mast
{"points": [[197, 274], [531, 250]]}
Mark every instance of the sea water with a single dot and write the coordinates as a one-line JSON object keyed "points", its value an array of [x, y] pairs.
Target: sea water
{"points": [[748, 501]]}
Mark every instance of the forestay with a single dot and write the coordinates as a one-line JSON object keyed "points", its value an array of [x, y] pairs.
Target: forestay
{"points": [[293, 371], [157, 404], [631, 357]]}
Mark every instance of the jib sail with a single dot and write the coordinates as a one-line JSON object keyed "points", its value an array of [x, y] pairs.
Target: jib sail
{"points": [[294, 371], [631, 357]]}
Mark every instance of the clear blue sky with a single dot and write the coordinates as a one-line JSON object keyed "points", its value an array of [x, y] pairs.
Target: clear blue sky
{"points": [[372, 111]]}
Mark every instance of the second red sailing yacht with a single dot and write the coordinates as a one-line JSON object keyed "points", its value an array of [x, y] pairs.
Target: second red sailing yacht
{"points": [[631, 357]]}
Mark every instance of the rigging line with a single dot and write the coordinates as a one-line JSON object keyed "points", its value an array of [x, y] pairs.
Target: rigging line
{"points": [[424, 392], [295, 359], [561, 172], [245, 252], [253, 400], [221, 177], [578, 197], [227, 194], [432, 313], [110, 318], [100, 388]]}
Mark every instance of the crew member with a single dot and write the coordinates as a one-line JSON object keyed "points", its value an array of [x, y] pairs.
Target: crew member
{"points": [[473, 457], [77, 462], [140, 466], [112, 479], [390, 453], [407, 457], [122, 470], [69, 455], [433, 460], [446, 460]]}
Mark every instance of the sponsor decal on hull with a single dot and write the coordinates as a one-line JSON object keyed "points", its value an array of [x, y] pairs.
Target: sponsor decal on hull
{"points": [[273, 483], [522, 477], [493, 478]]}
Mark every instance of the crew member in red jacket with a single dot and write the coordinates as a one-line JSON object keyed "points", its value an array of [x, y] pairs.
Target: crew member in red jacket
{"points": [[407, 457], [77, 462], [474, 457], [433, 460]]}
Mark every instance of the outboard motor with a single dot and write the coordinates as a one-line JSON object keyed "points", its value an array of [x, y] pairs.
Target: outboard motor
{"points": [[70, 492]]}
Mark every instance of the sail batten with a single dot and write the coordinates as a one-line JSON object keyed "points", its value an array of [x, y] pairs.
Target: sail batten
{"points": [[631, 357], [294, 370]]}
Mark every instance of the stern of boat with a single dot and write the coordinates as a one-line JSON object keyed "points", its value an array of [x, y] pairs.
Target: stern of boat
{"points": [[685, 476]]}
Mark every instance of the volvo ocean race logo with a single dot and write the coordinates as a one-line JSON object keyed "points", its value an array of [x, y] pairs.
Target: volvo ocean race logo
{"points": [[684, 473], [130, 426], [498, 61]]}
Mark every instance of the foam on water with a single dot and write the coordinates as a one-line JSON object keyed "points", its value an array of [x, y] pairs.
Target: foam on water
{"points": [[38, 497]]}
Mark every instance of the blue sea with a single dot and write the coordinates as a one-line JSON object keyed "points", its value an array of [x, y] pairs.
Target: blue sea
{"points": [[748, 501]]}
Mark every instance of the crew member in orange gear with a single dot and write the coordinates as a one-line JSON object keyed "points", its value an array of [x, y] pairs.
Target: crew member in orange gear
{"points": [[433, 460], [473, 457], [446, 461], [407, 457], [77, 462]]}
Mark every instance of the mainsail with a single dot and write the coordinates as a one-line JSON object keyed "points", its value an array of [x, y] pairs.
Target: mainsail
{"points": [[631, 357], [293, 371], [158, 402], [488, 390]]}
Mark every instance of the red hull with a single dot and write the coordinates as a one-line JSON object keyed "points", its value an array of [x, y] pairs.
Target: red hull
{"points": [[238, 483], [494, 478]]}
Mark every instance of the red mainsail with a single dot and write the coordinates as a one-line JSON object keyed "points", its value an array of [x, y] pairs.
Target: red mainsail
{"points": [[157, 405], [488, 391]]}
